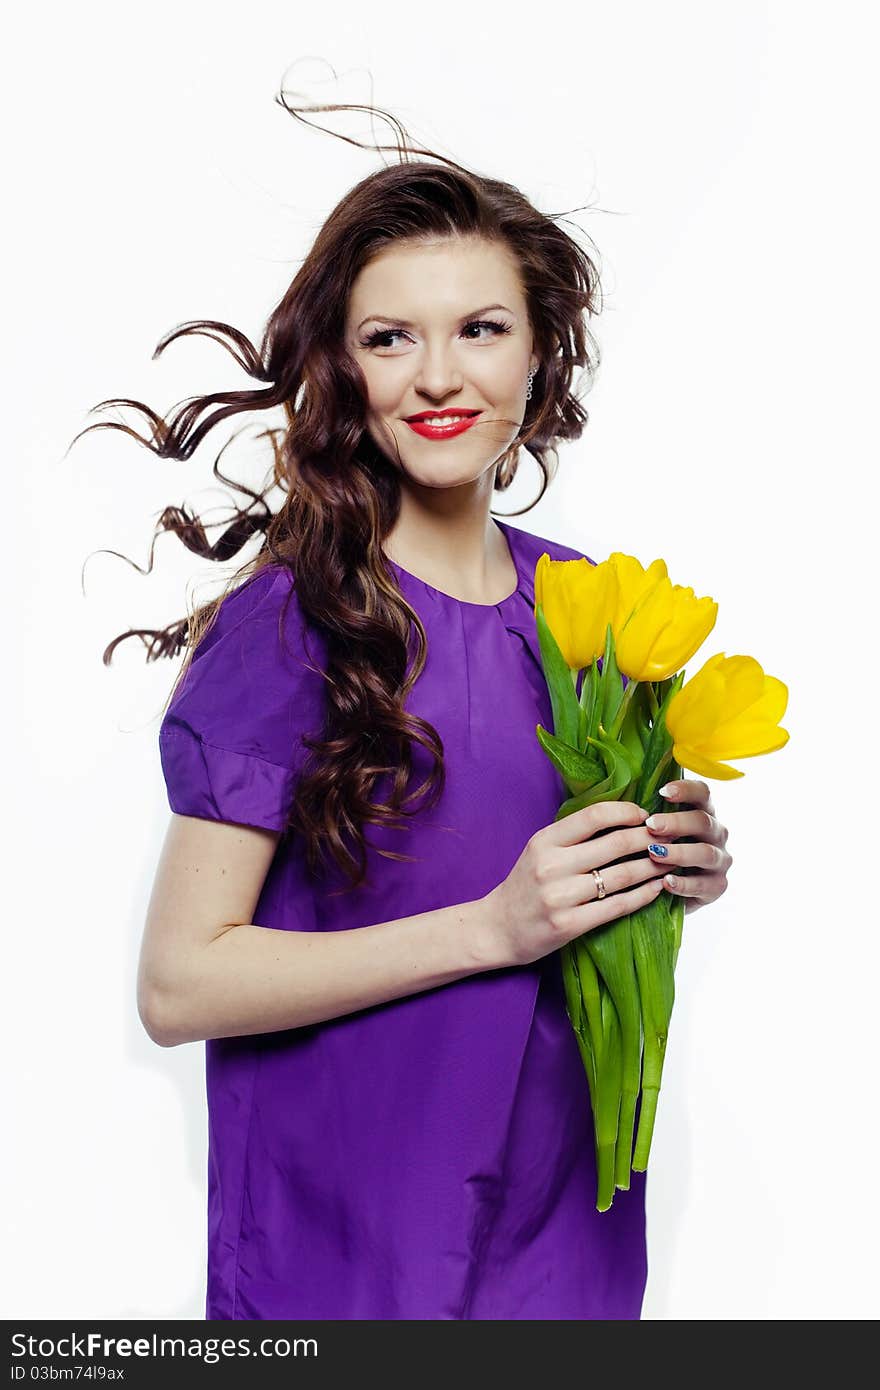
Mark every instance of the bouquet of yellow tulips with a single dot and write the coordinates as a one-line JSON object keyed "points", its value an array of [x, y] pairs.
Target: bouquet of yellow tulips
{"points": [[631, 727]]}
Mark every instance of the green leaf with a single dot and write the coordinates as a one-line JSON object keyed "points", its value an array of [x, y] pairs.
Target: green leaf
{"points": [[612, 685], [621, 769], [579, 771], [620, 764], [557, 673], [635, 732], [582, 799]]}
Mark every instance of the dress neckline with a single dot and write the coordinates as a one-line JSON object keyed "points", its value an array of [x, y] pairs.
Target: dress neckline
{"points": [[502, 604]]}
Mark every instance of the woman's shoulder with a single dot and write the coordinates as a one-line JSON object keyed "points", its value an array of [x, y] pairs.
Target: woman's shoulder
{"points": [[231, 738], [265, 593], [253, 681]]}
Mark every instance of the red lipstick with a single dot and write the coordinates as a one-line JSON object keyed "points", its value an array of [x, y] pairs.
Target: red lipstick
{"points": [[423, 423]]}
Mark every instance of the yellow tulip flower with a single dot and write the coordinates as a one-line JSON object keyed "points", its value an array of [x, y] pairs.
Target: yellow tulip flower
{"points": [[658, 625], [579, 600], [729, 709]]}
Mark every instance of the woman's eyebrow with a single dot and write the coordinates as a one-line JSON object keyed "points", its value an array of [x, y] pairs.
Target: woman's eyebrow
{"points": [[407, 323]]}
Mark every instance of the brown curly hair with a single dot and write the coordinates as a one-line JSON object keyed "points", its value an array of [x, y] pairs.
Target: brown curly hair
{"points": [[342, 493]]}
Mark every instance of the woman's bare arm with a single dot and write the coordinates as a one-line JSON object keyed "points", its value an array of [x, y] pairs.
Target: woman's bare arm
{"points": [[207, 971]]}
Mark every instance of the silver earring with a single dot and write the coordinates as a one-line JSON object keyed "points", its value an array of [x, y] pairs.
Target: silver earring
{"points": [[529, 379]]}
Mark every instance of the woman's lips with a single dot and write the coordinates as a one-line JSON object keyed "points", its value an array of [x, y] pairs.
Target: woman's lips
{"points": [[431, 431]]}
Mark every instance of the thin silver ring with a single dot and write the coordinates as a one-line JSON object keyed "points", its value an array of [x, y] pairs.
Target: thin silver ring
{"points": [[600, 886]]}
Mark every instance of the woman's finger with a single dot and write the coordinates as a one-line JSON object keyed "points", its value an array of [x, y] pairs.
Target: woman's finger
{"points": [[697, 854], [698, 823]]}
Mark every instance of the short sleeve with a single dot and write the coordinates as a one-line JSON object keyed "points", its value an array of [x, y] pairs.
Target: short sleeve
{"points": [[230, 741]]}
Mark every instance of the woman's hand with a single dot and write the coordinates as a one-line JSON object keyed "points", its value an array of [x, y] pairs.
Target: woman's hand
{"points": [[699, 860], [552, 894]]}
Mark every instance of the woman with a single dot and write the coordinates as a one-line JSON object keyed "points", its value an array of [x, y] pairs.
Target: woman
{"points": [[399, 1120]]}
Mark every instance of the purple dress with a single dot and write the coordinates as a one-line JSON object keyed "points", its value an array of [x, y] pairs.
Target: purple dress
{"points": [[430, 1157]]}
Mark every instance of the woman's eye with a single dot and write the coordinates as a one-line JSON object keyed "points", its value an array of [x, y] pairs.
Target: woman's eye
{"points": [[496, 327], [381, 337]]}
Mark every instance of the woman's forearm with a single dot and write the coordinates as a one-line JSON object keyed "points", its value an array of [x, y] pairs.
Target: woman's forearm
{"points": [[253, 979]]}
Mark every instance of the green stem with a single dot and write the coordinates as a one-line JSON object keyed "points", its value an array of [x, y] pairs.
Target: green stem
{"points": [[646, 1129], [605, 1166], [574, 1007], [573, 999], [611, 950], [588, 980], [606, 1108], [584, 1008], [655, 1050], [653, 939], [676, 913], [623, 1151], [653, 702]]}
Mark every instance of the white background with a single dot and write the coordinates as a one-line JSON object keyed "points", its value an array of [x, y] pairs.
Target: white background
{"points": [[726, 153]]}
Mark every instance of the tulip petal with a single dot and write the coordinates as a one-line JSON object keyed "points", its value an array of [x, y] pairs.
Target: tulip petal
{"points": [[744, 679], [634, 583], [703, 767], [682, 637], [698, 708], [745, 738]]}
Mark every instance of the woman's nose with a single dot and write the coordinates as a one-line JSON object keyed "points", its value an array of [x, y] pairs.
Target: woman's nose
{"points": [[438, 375]]}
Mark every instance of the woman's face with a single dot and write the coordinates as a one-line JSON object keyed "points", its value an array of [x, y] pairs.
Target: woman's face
{"points": [[421, 328]]}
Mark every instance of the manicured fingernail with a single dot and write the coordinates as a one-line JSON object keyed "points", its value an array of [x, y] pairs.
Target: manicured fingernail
{"points": [[671, 880], [669, 790], [660, 850]]}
